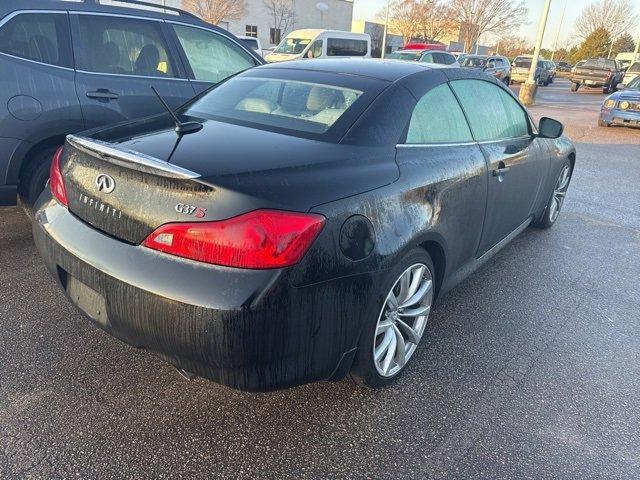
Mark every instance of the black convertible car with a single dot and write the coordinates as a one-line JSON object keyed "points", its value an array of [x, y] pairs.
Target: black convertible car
{"points": [[297, 222]]}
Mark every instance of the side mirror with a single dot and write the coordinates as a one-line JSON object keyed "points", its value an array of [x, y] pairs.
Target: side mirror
{"points": [[550, 128]]}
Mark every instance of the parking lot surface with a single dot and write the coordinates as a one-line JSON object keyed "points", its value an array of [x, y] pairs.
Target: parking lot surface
{"points": [[528, 369]]}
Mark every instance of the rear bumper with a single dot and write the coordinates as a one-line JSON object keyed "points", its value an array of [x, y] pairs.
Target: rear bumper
{"points": [[248, 329], [590, 82]]}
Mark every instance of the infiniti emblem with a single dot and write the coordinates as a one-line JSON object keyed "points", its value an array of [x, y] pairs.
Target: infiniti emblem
{"points": [[105, 183]]}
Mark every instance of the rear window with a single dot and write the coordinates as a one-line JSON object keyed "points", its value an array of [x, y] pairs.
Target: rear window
{"points": [[346, 47], [601, 63], [250, 43], [41, 37], [522, 63], [283, 104]]}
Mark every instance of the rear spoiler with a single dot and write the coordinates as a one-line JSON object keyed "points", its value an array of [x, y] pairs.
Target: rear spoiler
{"points": [[128, 158]]}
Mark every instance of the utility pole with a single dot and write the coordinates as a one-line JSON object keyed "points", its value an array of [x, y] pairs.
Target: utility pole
{"points": [[528, 89], [555, 42], [384, 35], [635, 52]]}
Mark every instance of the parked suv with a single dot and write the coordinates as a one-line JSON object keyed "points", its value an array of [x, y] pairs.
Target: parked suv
{"points": [[522, 66], [494, 65], [71, 66]]}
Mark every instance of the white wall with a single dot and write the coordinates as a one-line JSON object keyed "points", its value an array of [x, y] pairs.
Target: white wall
{"points": [[337, 17]]}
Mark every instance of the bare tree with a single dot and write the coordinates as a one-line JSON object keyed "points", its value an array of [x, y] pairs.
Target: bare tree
{"points": [[282, 13], [214, 11], [434, 19], [477, 17], [404, 18], [615, 16], [511, 46]]}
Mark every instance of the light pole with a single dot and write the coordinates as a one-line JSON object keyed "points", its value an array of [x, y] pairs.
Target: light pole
{"points": [[384, 35], [555, 42], [528, 89]]}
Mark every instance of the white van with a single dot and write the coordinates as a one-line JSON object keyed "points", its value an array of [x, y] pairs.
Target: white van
{"points": [[316, 43]]}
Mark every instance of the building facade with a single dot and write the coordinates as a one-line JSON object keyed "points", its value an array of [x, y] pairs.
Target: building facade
{"points": [[270, 27]]}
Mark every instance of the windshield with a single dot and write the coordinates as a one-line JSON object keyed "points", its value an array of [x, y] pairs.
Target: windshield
{"points": [[413, 56], [287, 104], [634, 84], [474, 62], [293, 46]]}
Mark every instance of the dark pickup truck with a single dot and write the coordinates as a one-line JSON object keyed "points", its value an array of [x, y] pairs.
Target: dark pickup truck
{"points": [[596, 72]]}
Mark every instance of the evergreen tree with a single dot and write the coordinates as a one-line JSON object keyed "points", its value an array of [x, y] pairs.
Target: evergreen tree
{"points": [[595, 45], [623, 43]]}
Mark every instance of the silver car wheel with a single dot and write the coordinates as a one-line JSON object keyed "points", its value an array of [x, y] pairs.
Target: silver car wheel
{"points": [[402, 319], [559, 193]]}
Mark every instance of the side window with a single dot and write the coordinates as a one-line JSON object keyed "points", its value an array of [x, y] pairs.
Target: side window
{"points": [[448, 59], [316, 49], [124, 46], [438, 58], [42, 37], [491, 63], [438, 118], [427, 58], [493, 113], [212, 56], [346, 47]]}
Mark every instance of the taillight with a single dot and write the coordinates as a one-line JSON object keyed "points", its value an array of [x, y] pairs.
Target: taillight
{"points": [[260, 239], [56, 182]]}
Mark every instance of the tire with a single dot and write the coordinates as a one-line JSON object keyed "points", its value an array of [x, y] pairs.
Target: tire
{"points": [[556, 200], [602, 123], [366, 371], [546, 83], [33, 178], [574, 87], [507, 81], [606, 90]]}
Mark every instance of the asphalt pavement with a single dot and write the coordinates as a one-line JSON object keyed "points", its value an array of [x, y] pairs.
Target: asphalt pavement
{"points": [[528, 369]]}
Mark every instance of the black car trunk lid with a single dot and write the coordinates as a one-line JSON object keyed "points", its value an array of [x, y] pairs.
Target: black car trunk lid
{"points": [[125, 194]]}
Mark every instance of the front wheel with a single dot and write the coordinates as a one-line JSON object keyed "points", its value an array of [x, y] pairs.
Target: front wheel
{"points": [[389, 340], [552, 210], [574, 87]]}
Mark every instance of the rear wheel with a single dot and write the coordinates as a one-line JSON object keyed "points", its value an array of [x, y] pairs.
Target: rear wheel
{"points": [[389, 340], [606, 89], [507, 81], [552, 210], [574, 87], [33, 178]]}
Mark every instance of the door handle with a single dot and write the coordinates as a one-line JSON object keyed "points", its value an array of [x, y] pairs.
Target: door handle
{"points": [[102, 94], [501, 170]]}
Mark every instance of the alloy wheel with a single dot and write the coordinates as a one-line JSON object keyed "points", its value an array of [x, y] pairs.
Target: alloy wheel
{"points": [[559, 193], [402, 319]]}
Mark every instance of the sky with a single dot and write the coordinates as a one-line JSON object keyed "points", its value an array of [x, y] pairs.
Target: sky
{"points": [[367, 9]]}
